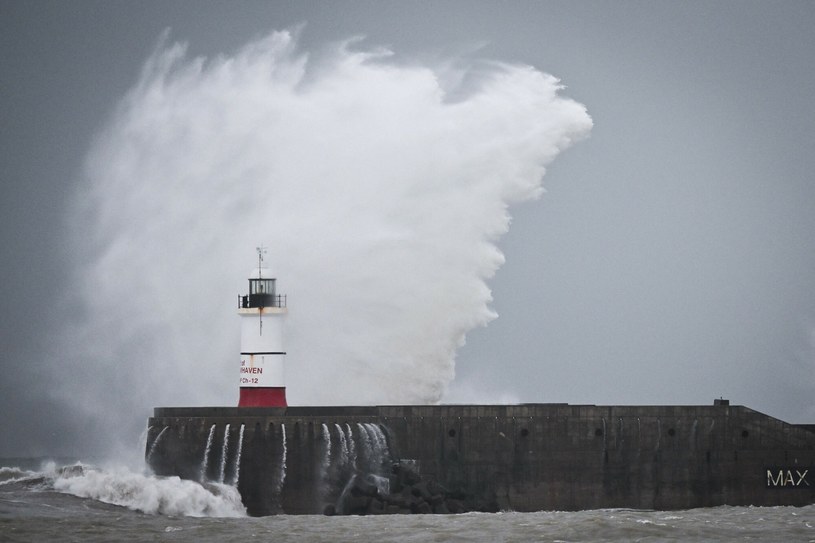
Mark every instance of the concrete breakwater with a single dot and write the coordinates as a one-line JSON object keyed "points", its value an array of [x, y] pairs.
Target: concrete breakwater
{"points": [[451, 458]]}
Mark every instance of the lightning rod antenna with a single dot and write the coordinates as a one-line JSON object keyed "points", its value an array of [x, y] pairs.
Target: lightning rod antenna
{"points": [[261, 251]]}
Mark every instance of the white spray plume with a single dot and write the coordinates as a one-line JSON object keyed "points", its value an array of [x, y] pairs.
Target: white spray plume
{"points": [[149, 494], [378, 187]]}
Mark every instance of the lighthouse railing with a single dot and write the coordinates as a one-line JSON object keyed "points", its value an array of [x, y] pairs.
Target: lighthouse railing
{"points": [[261, 300]]}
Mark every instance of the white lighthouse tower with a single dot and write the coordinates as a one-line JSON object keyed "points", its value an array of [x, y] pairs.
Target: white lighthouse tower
{"points": [[263, 357]]}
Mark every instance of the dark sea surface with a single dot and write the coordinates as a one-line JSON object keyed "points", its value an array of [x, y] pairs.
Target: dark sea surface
{"points": [[80, 502]]}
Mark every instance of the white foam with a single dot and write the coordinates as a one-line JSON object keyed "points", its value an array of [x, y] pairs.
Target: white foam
{"points": [[15, 474], [149, 494]]}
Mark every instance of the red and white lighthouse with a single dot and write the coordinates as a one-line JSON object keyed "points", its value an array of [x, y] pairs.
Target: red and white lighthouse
{"points": [[263, 357]]}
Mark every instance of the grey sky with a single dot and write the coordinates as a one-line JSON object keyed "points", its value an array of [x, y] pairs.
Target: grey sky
{"points": [[671, 260]]}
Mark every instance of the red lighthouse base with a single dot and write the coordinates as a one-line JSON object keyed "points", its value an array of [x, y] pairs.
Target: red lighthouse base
{"points": [[263, 397]]}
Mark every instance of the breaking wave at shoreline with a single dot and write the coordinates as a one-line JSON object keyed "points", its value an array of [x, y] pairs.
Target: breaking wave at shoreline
{"points": [[120, 486]]}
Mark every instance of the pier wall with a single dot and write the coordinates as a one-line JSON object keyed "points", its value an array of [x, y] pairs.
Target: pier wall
{"points": [[299, 460]]}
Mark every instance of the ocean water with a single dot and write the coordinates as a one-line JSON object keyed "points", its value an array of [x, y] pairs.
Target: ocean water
{"points": [[54, 501]]}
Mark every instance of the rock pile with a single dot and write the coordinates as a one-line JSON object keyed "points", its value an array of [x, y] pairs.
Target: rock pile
{"points": [[404, 492]]}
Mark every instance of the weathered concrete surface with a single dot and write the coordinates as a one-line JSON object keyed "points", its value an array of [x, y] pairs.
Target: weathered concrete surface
{"points": [[493, 457]]}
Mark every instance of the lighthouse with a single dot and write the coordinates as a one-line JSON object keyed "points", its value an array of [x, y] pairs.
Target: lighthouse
{"points": [[262, 312]]}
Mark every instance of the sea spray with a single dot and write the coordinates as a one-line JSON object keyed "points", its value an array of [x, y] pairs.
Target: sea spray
{"points": [[224, 451], [352, 167], [345, 455], [10, 475], [237, 466], [377, 440], [381, 443], [326, 462], [366, 449], [352, 449], [154, 445], [204, 462], [327, 442], [142, 442], [326, 451], [154, 495], [281, 478]]}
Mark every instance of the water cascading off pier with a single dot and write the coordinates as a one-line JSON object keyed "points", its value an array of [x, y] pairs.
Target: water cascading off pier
{"points": [[348, 465]]}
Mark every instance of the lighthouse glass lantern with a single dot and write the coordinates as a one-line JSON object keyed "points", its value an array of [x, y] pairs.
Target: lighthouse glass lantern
{"points": [[262, 312]]}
